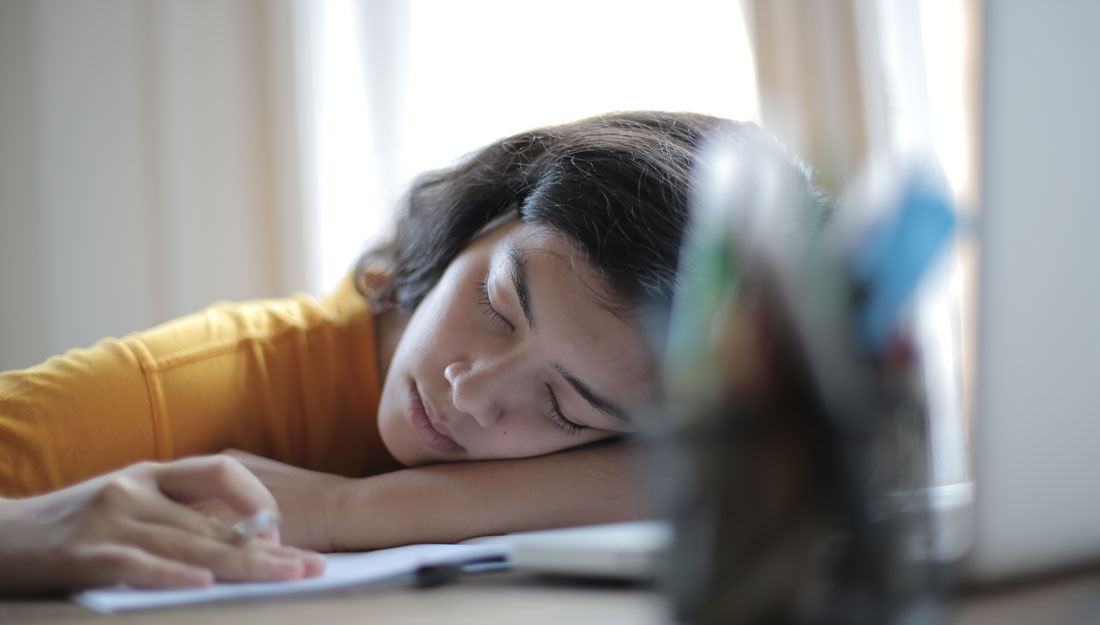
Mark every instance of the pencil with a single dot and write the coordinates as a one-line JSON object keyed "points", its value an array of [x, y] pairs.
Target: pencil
{"points": [[263, 521]]}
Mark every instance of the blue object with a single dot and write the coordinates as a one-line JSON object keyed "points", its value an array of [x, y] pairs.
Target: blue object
{"points": [[896, 255]]}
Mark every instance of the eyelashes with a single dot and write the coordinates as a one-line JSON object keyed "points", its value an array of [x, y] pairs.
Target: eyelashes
{"points": [[558, 418], [487, 309], [553, 412]]}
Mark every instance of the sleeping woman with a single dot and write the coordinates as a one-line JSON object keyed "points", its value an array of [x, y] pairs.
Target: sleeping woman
{"points": [[475, 375]]}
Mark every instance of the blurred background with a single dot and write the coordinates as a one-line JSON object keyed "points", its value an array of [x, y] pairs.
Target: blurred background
{"points": [[159, 155]]}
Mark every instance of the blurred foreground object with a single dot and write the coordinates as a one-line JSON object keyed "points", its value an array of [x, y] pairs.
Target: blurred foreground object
{"points": [[797, 465]]}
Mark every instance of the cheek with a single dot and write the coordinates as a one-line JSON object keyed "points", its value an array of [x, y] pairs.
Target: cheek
{"points": [[439, 327], [522, 441], [533, 436]]}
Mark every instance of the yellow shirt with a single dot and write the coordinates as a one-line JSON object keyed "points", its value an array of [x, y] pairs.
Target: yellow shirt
{"points": [[292, 379]]}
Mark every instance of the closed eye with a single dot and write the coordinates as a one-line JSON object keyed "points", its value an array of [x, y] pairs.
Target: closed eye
{"points": [[558, 418], [487, 306]]}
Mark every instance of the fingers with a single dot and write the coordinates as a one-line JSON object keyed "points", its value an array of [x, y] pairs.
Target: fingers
{"points": [[110, 564], [248, 560], [244, 456], [207, 477], [227, 480], [144, 518], [131, 527], [135, 500], [155, 521]]}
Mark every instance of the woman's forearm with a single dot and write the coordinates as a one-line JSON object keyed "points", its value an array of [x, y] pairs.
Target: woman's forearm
{"points": [[451, 502]]}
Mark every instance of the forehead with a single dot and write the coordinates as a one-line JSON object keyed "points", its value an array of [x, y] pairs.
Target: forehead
{"points": [[556, 259], [569, 303]]}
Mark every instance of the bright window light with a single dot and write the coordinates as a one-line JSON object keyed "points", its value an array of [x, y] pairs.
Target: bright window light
{"points": [[478, 70]]}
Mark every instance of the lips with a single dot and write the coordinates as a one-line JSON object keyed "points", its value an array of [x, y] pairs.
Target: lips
{"points": [[424, 426]]}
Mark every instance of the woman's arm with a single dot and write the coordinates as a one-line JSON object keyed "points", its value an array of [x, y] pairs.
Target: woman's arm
{"points": [[451, 502], [135, 526], [283, 378]]}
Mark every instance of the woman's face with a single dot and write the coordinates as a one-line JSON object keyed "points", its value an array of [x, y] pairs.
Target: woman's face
{"points": [[511, 355]]}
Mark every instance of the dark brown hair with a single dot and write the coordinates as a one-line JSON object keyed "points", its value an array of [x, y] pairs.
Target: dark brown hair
{"points": [[616, 185]]}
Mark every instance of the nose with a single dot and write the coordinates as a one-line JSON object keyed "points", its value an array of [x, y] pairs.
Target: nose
{"points": [[484, 387]]}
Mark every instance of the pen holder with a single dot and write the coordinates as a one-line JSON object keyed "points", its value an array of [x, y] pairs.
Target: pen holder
{"points": [[785, 512], [794, 458]]}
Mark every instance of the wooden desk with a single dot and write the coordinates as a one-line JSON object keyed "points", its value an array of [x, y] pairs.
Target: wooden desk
{"points": [[514, 599], [494, 599], [1068, 600]]}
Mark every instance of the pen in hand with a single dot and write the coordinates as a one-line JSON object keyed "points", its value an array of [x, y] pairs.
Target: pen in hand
{"points": [[264, 523]]}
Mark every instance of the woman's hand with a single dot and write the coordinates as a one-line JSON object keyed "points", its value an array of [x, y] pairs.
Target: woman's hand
{"points": [[137, 526], [306, 500]]}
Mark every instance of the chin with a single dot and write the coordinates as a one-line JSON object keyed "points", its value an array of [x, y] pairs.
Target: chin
{"points": [[391, 440]]}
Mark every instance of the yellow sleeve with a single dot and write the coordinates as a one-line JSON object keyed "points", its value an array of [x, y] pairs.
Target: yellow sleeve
{"points": [[292, 379]]}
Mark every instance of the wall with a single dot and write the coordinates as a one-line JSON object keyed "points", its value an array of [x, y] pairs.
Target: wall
{"points": [[146, 166]]}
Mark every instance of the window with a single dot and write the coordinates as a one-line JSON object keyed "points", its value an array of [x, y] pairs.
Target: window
{"points": [[393, 88]]}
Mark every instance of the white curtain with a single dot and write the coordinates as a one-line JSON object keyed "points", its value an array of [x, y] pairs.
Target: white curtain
{"points": [[403, 86], [158, 155], [148, 165], [854, 83]]}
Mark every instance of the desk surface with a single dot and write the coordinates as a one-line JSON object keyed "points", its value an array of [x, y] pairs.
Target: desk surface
{"points": [[509, 599], [499, 598]]}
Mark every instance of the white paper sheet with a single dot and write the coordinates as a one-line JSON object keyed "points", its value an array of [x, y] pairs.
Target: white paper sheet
{"points": [[342, 570]]}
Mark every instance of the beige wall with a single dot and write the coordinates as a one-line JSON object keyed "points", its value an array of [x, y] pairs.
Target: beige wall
{"points": [[146, 165]]}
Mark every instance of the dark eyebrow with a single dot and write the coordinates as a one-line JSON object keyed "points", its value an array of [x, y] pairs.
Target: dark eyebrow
{"points": [[598, 402], [519, 281]]}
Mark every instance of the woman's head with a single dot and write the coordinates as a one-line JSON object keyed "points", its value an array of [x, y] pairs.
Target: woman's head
{"points": [[616, 185], [522, 267]]}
